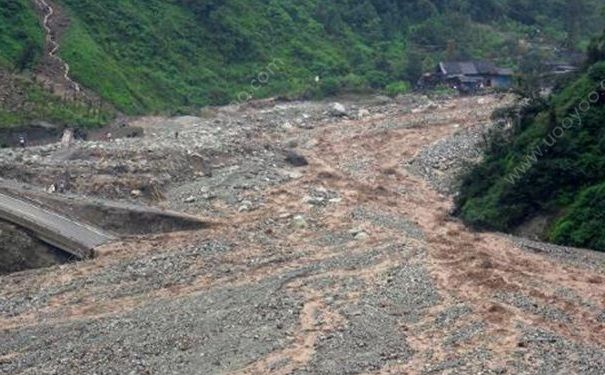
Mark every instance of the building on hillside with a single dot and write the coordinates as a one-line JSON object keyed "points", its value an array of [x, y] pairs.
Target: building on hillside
{"points": [[469, 76]]}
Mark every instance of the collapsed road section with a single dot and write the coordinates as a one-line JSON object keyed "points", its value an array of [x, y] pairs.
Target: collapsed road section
{"points": [[67, 235]]}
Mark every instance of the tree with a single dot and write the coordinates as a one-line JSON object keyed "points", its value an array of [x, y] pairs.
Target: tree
{"points": [[574, 10], [414, 66]]}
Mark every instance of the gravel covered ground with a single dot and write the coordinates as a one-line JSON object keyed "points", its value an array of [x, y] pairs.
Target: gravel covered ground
{"points": [[347, 265]]}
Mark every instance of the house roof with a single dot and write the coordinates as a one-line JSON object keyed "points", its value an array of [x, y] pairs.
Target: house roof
{"points": [[472, 68]]}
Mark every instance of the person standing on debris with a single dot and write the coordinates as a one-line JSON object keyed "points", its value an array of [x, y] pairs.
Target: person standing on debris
{"points": [[108, 136], [22, 141], [176, 135]]}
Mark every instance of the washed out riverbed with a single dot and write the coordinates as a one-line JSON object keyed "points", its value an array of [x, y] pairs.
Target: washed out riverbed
{"points": [[347, 263]]}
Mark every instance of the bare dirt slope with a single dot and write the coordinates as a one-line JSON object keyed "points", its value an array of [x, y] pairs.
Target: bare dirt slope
{"points": [[350, 265]]}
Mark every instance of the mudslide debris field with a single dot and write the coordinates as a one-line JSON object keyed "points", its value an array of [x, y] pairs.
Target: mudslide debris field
{"points": [[348, 265]]}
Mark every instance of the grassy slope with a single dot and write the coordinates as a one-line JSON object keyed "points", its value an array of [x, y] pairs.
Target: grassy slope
{"points": [[19, 31], [160, 56], [170, 55], [41, 105], [567, 182], [174, 56], [22, 41]]}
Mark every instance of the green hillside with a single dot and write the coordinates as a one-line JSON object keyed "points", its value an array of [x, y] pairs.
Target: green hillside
{"points": [[172, 56], [554, 165], [21, 100], [21, 36]]}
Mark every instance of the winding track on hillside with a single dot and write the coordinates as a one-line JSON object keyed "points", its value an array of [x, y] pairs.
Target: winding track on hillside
{"points": [[53, 44]]}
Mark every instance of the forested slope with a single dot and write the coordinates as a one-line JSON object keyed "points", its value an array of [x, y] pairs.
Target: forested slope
{"points": [[149, 56], [553, 165]]}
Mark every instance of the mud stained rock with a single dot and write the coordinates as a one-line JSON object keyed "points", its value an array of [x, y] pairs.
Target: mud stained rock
{"points": [[390, 221], [213, 332], [251, 294], [408, 292], [370, 340], [20, 251], [543, 352]]}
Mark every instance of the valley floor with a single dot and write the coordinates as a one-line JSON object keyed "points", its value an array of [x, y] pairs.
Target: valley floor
{"points": [[348, 265]]}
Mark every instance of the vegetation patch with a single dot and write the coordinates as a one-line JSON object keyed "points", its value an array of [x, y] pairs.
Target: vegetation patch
{"points": [[553, 163]]}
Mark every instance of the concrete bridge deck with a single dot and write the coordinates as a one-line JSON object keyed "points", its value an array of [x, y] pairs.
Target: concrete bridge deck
{"points": [[57, 230]]}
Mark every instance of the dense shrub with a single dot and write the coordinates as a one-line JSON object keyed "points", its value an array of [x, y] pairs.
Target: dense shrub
{"points": [[553, 163], [583, 222], [396, 88]]}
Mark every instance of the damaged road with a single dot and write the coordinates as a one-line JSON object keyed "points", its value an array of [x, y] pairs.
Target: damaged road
{"points": [[347, 265], [68, 235]]}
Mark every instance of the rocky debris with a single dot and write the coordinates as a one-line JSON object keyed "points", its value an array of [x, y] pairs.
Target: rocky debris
{"points": [[338, 110], [549, 353], [295, 159], [465, 333], [321, 197], [299, 222], [133, 277], [577, 257], [246, 206], [532, 306], [361, 236], [362, 113], [367, 342], [217, 331], [67, 139], [408, 291], [443, 162], [390, 221], [451, 315], [328, 269], [472, 362]]}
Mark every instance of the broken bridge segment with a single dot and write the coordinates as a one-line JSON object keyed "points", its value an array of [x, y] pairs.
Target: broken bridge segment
{"points": [[72, 237]]}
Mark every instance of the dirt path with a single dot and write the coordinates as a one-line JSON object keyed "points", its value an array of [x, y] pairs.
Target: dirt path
{"points": [[52, 46], [349, 266]]}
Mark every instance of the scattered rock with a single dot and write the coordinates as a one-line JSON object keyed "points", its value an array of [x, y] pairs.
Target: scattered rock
{"points": [[292, 143], [383, 99], [299, 222], [296, 159], [67, 139], [363, 113], [246, 206], [362, 236], [432, 106], [315, 201], [338, 110]]}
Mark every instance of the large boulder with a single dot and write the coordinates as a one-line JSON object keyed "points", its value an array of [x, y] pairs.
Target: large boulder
{"points": [[338, 110], [295, 159]]}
